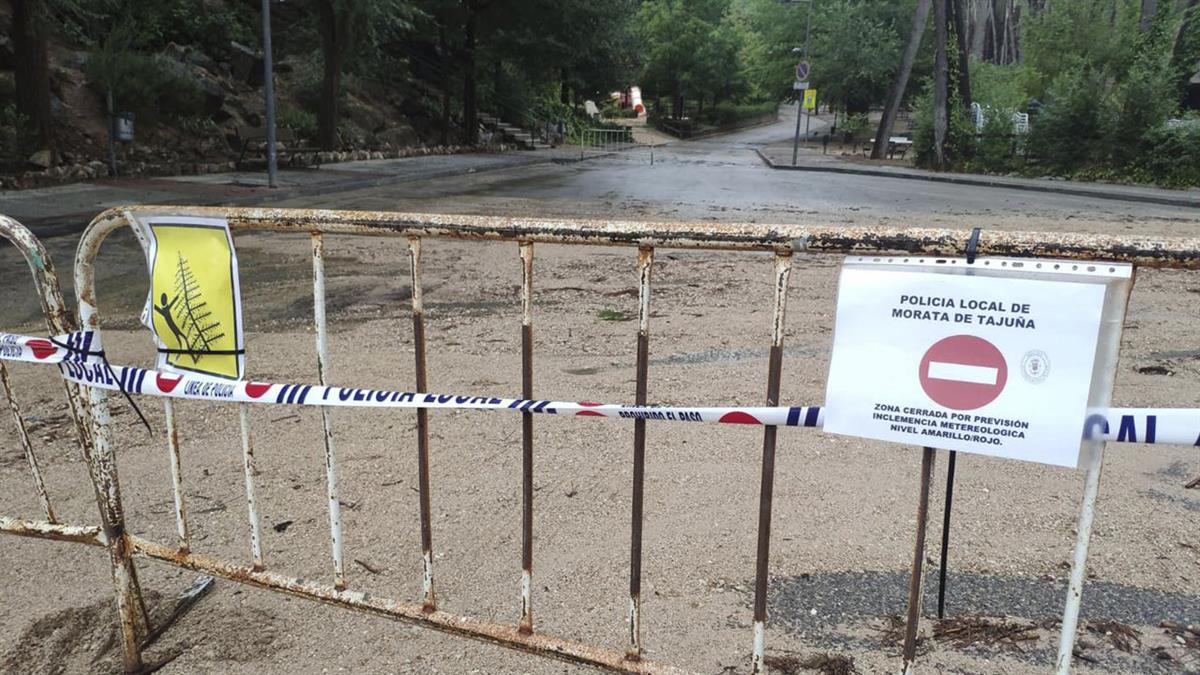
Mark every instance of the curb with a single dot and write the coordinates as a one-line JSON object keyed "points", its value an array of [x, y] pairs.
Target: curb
{"points": [[983, 181], [69, 223]]}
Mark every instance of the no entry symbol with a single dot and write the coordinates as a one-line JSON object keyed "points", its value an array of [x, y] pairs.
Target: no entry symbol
{"points": [[963, 372]]}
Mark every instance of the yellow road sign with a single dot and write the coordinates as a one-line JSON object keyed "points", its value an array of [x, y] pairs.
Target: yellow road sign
{"points": [[194, 306], [810, 99]]}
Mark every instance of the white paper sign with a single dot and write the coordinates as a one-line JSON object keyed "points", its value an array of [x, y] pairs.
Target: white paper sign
{"points": [[989, 363]]}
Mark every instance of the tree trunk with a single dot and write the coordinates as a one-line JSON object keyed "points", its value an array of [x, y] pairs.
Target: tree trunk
{"points": [[964, 56], [32, 72], [444, 54], [564, 89], [470, 105], [892, 107], [1149, 9], [333, 34], [941, 74], [978, 25], [1190, 23]]}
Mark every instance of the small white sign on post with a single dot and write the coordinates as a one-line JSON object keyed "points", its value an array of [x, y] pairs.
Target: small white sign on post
{"points": [[996, 358]]}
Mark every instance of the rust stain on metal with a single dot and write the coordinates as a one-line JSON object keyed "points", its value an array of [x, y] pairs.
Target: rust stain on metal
{"points": [[782, 269], [331, 467], [633, 649], [1172, 252], [181, 519], [783, 240], [81, 534], [526, 621], [501, 634], [428, 595]]}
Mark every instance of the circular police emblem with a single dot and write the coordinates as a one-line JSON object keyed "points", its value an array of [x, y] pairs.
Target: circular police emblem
{"points": [[1035, 366]]}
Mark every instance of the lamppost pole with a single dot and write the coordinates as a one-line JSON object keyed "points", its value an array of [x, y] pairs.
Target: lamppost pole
{"points": [[800, 98], [269, 95]]}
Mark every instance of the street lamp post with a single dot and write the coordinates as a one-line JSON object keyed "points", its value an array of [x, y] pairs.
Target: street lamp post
{"points": [[800, 99], [269, 95]]}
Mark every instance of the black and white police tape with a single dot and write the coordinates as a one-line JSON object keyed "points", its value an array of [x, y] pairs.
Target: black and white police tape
{"points": [[80, 360]]}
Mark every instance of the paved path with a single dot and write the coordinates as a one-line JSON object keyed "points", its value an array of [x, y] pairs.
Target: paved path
{"points": [[714, 178], [65, 208]]}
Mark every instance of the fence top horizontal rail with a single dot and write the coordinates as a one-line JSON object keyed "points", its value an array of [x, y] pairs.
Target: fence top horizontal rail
{"points": [[1166, 252]]}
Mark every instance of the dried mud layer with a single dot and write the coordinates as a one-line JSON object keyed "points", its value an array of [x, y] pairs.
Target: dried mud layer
{"points": [[844, 509]]}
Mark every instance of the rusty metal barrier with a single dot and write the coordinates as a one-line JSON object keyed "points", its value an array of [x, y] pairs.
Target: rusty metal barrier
{"points": [[783, 242], [101, 466]]}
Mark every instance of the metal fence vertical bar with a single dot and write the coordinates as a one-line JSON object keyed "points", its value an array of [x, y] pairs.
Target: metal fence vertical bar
{"points": [[782, 273], [251, 499], [645, 264], [26, 446], [181, 520], [429, 597], [103, 470], [526, 625], [1087, 514], [912, 622], [331, 474]]}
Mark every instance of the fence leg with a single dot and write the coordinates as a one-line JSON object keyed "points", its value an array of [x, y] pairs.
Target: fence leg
{"points": [[911, 624], [526, 625], [1083, 538], [102, 466], [181, 519], [331, 475], [783, 267], [633, 650], [429, 600], [248, 477], [946, 509]]}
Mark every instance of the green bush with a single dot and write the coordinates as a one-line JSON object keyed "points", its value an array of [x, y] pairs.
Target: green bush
{"points": [[1172, 154], [302, 122], [997, 147], [1069, 133], [141, 83], [854, 126], [209, 26], [1139, 105], [15, 138], [959, 145], [727, 114], [1000, 87]]}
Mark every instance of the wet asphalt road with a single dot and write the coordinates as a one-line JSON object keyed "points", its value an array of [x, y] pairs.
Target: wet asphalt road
{"points": [[722, 178]]}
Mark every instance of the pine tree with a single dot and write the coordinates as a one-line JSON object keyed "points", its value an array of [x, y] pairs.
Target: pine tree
{"points": [[191, 313]]}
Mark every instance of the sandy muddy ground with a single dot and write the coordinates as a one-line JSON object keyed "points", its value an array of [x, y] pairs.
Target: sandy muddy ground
{"points": [[844, 508]]}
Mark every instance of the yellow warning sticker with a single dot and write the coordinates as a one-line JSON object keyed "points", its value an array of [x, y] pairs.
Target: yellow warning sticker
{"points": [[194, 307], [810, 99]]}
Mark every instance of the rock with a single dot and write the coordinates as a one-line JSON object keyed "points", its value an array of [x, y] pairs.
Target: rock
{"points": [[246, 64], [7, 59], [98, 168], [43, 159], [400, 136]]}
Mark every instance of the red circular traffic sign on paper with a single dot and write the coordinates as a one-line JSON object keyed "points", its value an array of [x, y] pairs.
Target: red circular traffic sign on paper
{"points": [[963, 372]]}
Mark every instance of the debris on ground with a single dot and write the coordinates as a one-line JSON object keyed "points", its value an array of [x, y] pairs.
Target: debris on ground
{"points": [[1188, 636], [1123, 637], [825, 664], [891, 628], [970, 630]]}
